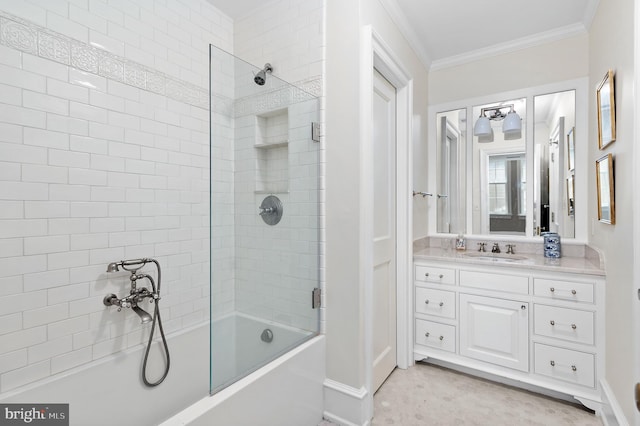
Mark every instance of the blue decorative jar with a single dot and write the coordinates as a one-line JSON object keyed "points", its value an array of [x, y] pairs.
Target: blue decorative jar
{"points": [[551, 244]]}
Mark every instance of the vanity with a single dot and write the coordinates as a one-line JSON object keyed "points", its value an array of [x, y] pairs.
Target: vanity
{"points": [[521, 318]]}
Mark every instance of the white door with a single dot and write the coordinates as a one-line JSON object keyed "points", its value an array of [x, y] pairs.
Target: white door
{"points": [[495, 331], [384, 229]]}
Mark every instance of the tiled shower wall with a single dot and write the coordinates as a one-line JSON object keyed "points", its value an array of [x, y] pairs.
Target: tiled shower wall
{"points": [[104, 155]]}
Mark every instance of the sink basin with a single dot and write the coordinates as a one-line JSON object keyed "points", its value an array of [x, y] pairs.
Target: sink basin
{"points": [[495, 257]]}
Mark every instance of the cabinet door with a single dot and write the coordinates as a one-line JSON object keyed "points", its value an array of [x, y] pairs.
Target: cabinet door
{"points": [[495, 331]]}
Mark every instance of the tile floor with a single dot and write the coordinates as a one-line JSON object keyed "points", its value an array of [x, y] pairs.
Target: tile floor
{"points": [[429, 395]]}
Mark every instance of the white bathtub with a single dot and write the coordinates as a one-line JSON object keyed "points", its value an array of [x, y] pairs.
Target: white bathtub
{"points": [[287, 391]]}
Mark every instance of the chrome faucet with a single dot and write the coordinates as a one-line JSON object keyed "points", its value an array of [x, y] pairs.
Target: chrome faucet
{"points": [[481, 247], [510, 248], [495, 248]]}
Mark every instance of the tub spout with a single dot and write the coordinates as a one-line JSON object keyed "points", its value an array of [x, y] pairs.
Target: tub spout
{"points": [[144, 316]]}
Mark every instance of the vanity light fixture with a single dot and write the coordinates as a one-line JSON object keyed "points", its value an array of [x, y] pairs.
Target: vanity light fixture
{"points": [[512, 123]]}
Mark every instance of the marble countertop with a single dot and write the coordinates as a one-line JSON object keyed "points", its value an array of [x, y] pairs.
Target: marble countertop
{"points": [[580, 265]]}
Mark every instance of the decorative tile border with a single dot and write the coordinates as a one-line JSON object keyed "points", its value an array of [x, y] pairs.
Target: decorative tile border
{"points": [[278, 98], [30, 38]]}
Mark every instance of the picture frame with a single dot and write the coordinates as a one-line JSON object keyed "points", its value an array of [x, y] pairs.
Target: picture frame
{"points": [[605, 186], [571, 156], [570, 196], [605, 95]]}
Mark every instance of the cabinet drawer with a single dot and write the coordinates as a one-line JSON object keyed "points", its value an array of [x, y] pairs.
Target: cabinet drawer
{"points": [[433, 274], [564, 364], [563, 290], [436, 335], [491, 281], [563, 323], [435, 302]]}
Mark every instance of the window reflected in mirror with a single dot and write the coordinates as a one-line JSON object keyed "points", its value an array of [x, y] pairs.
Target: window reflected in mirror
{"points": [[451, 148], [499, 169]]}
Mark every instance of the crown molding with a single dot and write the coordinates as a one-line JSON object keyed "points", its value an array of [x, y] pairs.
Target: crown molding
{"points": [[590, 12], [510, 46], [405, 28]]}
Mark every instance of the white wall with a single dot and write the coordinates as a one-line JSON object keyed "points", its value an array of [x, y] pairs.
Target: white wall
{"points": [[344, 277], [104, 146], [613, 25]]}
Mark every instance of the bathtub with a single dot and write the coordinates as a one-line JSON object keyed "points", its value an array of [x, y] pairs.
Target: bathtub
{"points": [[286, 391]]}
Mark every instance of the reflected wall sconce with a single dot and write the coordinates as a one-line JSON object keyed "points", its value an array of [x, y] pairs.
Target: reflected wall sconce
{"points": [[511, 125]]}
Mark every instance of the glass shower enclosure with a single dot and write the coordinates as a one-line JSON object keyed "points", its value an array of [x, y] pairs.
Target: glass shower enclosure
{"points": [[264, 217]]}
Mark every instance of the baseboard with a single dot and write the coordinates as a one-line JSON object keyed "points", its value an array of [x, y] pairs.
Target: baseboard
{"points": [[611, 414], [345, 405]]}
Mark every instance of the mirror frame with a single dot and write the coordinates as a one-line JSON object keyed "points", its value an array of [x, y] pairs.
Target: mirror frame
{"points": [[581, 156], [608, 159]]}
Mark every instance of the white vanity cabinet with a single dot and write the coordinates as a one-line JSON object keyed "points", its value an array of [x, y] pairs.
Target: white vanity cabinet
{"points": [[535, 327]]}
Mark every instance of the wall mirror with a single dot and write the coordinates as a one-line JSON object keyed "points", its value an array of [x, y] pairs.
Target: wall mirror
{"points": [[514, 179], [449, 197], [604, 176]]}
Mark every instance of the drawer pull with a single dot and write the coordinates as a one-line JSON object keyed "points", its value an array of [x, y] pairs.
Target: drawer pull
{"points": [[553, 323], [426, 275], [523, 307], [573, 367], [439, 304], [427, 336], [553, 290], [441, 337], [441, 276]]}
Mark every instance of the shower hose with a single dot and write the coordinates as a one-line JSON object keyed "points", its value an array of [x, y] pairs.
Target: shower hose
{"points": [[156, 318]]}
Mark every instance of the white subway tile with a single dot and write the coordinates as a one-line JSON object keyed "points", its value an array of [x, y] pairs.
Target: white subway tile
{"points": [[123, 180], [139, 138], [87, 177], [126, 150], [62, 123], [107, 163], [43, 280], [155, 182], [58, 192], [88, 19], [124, 209], [107, 224], [88, 209], [24, 191], [140, 166], [10, 133], [13, 360], [89, 241], [63, 294], [68, 226], [88, 305], [40, 245], [45, 68], [105, 255], [10, 171], [67, 27], [63, 260], [22, 116], [105, 131], [47, 103], [46, 315], [68, 158], [10, 285], [97, 7], [50, 349], [22, 154], [25, 375], [119, 32], [9, 324], [10, 57], [87, 338], [124, 239], [108, 347], [46, 138], [11, 247], [11, 210], [68, 91], [121, 90], [86, 144], [124, 120], [87, 80], [107, 101], [46, 174], [70, 360], [22, 339], [107, 194], [10, 94], [23, 79], [80, 274]]}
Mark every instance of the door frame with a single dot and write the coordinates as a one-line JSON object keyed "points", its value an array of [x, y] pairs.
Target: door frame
{"points": [[376, 54]]}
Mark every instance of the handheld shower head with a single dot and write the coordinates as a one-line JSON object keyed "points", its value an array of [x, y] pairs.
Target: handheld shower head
{"points": [[112, 267], [261, 76], [144, 316]]}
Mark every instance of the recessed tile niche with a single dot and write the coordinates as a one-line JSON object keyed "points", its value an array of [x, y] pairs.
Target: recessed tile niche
{"points": [[272, 146]]}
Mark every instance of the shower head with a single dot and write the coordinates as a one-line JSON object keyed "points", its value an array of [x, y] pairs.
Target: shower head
{"points": [[113, 267], [261, 77], [144, 316]]}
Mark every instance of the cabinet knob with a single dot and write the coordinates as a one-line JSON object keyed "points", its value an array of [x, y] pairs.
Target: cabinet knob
{"points": [[573, 292], [574, 368], [523, 307], [441, 276], [426, 334], [441, 337], [441, 304], [552, 290], [574, 326], [553, 363], [552, 322], [426, 274], [426, 302]]}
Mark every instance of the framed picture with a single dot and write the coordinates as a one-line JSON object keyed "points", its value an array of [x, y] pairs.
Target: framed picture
{"points": [[570, 197], [606, 199], [606, 111], [571, 157]]}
